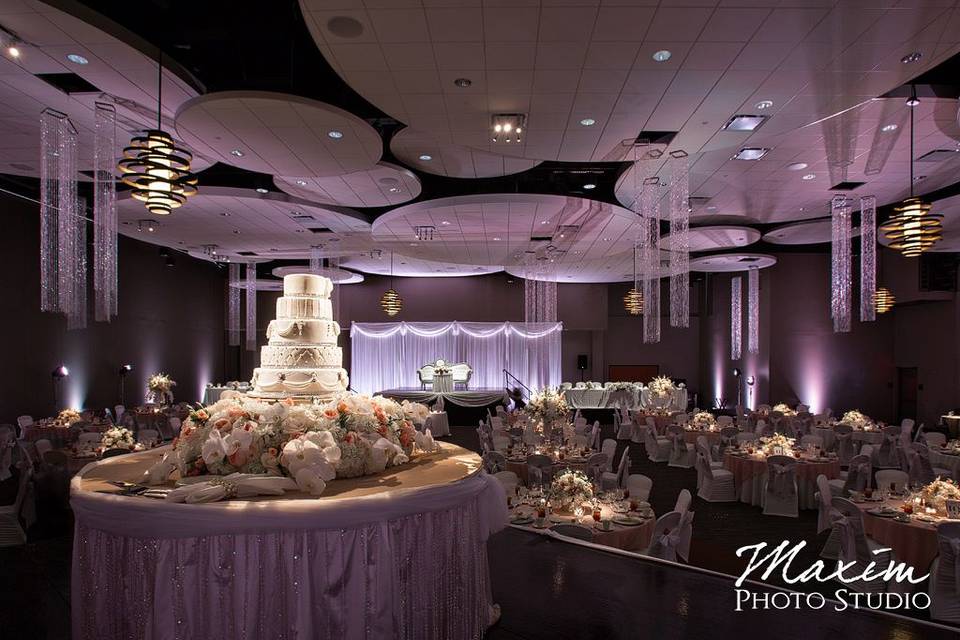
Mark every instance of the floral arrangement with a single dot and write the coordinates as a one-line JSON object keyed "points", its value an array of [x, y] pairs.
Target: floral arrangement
{"points": [[415, 412], [117, 438], [67, 417], [704, 420], [160, 383], [569, 489], [440, 367], [661, 387], [351, 436], [938, 492], [622, 386], [770, 444], [784, 409], [856, 419], [547, 407]]}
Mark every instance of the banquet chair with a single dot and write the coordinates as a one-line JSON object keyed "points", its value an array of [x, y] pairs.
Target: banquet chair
{"points": [[580, 441], [728, 438], [683, 501], [925, 471], [530, 435], [855, 546], [11, 532], [582, 428], [857, 477], [934, 439], [595, 466], [539, 470], [148, 436], [716, 485], [508, 480], [671, 536], [118, 410], [639, 486], [887, 478], [174, 425], [825, 515], [776, 420], [110, 453], [494, 462], [780, 495], [764, 429], [816, 441], [887, 456], [42, 446], [724, 421], [500, 443], [944, 587], [577, 531], [610, 481], [496, 422], [623, 426], [658, 447], [681, 451], [90, 439], [609, 448], [595, 438], [746, 436], [867, 450], [845, 446], [820, 419]]}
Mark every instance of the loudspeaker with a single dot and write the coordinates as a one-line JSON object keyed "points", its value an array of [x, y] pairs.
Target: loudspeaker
{"points": [[582, 362]]}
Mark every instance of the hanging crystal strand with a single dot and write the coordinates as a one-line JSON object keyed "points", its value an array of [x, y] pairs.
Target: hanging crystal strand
{"points": [[840, 273], [233, 305], [49, 207], [104, 213], [753, 310], [251, 328], [680, 242], [868, 258], [334, 264], [77, 312], [71, 233], [316, 258], [736, 317], [650, 225]]}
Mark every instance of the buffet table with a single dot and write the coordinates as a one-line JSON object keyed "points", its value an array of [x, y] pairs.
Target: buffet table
{"points": [[401, 554]]}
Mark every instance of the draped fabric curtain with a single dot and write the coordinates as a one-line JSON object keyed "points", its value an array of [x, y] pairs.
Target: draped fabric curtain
{"points": [[387, 355]]}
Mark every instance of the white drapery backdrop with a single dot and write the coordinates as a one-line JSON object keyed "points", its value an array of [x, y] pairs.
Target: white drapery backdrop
{"points": [[386, 355]]}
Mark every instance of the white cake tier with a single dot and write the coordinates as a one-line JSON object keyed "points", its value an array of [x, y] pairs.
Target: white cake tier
{"points": [[299, 382], [302, 332], [304, 307], [285, 357], [307, 284]]}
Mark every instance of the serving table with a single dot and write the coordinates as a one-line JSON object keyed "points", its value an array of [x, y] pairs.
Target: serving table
{"points": [[400, 554]]}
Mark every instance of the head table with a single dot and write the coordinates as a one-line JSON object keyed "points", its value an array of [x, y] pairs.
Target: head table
{"points": [[401, 554]]}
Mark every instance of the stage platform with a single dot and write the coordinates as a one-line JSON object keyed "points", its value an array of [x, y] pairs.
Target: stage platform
{"points": [[464, 408]]}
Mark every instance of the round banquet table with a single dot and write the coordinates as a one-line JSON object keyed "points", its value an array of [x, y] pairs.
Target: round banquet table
{"points": [[873, 437], [634, 538], [913, 542], [662, 421], [690, 436], [749, 473], [400, 554], [520, 468]]}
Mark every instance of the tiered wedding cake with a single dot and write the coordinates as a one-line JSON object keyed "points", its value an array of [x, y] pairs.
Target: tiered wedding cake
{"points": [[302, 358]]}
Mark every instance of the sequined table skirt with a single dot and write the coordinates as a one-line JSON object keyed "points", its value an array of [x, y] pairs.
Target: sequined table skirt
{"points": [[397, 555]]}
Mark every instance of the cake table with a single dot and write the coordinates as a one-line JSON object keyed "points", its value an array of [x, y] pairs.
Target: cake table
{"points": [[401, 554]]}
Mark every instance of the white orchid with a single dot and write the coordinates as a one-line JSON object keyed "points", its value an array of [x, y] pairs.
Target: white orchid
{"points": [[309, 452], [309, 481], [214, 449]]}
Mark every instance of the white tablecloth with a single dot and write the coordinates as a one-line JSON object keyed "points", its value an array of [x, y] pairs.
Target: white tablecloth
{"points": [[438, 423], [443, 382], [472, 398], [945, 461], [409, 563], [212, 394]]}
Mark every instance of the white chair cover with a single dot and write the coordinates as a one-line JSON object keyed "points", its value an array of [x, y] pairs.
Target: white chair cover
{"points": [[681, 453], [944, 587], [716, 485], [892, 477], [683, 501], [609, 448], [539, 470], [494, 462], [658, 447], [508, 480], [934, 439], [780, 495], [666, 537], [844, 443], [639, 486], [855, 546]]}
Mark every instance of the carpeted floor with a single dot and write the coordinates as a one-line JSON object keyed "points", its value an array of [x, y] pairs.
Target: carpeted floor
{"points": [[546, 588]]}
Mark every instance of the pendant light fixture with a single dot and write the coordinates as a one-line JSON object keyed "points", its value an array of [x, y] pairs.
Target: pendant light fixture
{"points": [[390, 301], [155, 167], [633, 300], [913, 229], [883, 300]]}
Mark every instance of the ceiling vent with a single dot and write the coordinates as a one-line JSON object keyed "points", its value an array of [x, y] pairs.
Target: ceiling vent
{"points": [[655, 137], [246, 253], [847, 185], [320, 230], [541, 238], [939, 155], [69, 83]]}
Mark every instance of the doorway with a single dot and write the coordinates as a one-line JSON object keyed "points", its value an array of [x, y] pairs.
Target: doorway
{"points": [[906, 393]]}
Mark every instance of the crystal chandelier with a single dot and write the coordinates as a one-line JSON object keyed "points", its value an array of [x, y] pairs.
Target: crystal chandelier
{"points": [[104, 212], [390, 301], [883, 300], [841, 283], [679, 241], [156, 168], [913, 229], [633, 300], [868, 258]]}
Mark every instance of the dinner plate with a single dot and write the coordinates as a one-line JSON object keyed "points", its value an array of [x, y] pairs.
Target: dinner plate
{"points": [[543, 525], [628, 521], [558, 519], [881, 513], [521, 520]]}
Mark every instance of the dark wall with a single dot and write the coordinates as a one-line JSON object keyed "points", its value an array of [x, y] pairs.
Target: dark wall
{"points": [[170, 319]]}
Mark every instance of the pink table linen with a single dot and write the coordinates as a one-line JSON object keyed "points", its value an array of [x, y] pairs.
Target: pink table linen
{"points": [[690, 436], [749, 473], [912, 542], [394, 563]]}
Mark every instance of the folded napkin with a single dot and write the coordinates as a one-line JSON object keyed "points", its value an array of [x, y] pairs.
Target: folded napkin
{"points": [[235, 485], [425, 441]]}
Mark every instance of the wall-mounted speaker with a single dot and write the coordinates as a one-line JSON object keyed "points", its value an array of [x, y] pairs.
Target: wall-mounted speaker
{"points": [[582, 362]]}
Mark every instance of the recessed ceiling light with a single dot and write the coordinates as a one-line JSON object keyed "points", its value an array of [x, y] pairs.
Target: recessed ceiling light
{"points": [[743, 122], [262, 190], [237, 152], [889, 127], [444, 222], [797, 166], [14, 51], [662, 56], [302, 183], [712, 207], [588, 122], [810, 176], [606, 239], [463, 83], [911, 57], [751, 153], [76, 58], [496, 238], [225, 214], [764, 104], [336, 135], [589, 185], [299, 230], [426, 158], [544, 221], [394, 189]]}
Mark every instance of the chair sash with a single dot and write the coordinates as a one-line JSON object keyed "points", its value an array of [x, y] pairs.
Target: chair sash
{"points": [[684, 535], [847, 530], [952, 548], [534, 476], [858, 476], [782, 484]]}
